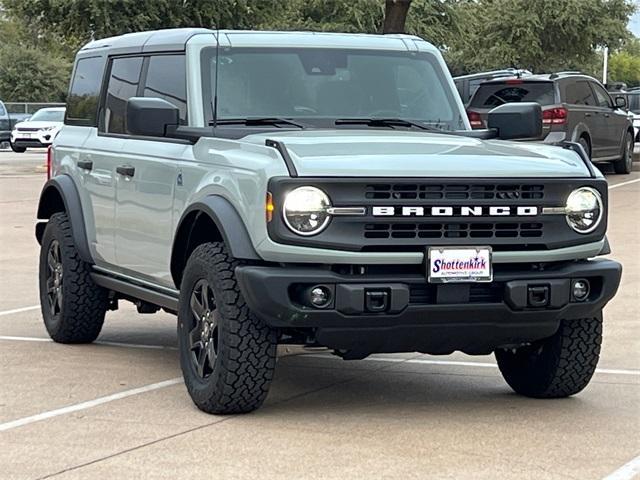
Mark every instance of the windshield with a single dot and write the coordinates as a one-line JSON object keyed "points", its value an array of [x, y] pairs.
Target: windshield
{"points": [[48, 116], [317, 84], [634, 102], [491, 95]]}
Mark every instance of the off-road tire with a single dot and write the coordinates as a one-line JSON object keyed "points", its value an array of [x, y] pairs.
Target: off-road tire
{"points": [[17, 149], [625, 164], [558, 366], [246, 347], [83, 304]]}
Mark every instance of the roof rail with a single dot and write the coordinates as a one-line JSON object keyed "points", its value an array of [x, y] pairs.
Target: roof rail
{"points": [[567, 72]]}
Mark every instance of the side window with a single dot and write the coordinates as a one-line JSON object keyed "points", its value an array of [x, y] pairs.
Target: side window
{"points": [[602, 97], [167, 79], [124, 79], [579, 93], [82, 102]]}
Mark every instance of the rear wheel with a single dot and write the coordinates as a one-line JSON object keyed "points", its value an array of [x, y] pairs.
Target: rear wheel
{"points": [[586, 145], [73, 306], [558, 366], [227, 354], [17, 149], [625, 164]]}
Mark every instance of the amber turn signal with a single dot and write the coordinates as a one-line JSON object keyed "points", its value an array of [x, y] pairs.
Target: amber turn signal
{"points": [[269, 207]]}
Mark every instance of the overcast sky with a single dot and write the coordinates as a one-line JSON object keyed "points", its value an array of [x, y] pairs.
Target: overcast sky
{"points": [[634, 24]]}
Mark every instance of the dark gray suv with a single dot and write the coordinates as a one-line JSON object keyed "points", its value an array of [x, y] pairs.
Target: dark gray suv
{"points": [[575, 107]]}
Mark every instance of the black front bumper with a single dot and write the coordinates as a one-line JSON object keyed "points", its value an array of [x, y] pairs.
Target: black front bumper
{"points": [[33, 143], [474, 318]]}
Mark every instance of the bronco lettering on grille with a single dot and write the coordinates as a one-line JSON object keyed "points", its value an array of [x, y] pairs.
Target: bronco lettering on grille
{"points": [[459, 211]]}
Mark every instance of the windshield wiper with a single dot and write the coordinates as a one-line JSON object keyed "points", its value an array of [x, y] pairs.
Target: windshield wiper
{"points": [[259, 121], [385, 122]]}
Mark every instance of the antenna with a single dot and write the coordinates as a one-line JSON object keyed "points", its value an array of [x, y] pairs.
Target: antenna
{"points": [[215, 86]]}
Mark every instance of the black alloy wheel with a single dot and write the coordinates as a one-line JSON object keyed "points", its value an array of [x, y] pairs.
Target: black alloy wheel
{"points": [[203, 335], [54, 278]]}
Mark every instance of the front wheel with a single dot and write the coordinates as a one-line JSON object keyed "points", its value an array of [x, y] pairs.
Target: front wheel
{"points": [[17, 149], [227, 354], [558, 366]]}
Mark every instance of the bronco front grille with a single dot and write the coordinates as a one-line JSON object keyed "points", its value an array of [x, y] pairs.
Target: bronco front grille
{"points": [[392, 230], [454, 230], [437, 191]]}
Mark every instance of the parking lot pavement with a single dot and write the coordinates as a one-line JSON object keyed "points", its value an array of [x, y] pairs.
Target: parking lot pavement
{"points": [[118, 408]]}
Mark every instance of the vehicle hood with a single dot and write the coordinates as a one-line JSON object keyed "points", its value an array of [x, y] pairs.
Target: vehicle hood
{"points": [[350, 153], [37, 124]]}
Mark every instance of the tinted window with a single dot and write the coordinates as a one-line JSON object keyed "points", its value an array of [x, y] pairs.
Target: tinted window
{"points": [[123, 84], [491, 95], [634, 102], [46, 115], [579, 93], [602, 97], [82, 102], [166, 79], [318, 84]]}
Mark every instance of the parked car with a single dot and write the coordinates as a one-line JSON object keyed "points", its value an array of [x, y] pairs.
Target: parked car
{"points": [[319, 190], [468, 84], [39, 130], [5, 124], [633, 101], [575, 107]]}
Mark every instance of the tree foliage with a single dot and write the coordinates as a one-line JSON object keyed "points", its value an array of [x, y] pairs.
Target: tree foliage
{"points": [[541, 35], [624, 66]]}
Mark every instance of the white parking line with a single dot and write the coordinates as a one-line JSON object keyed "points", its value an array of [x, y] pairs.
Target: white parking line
{"points": [[110, 344], [18, 310], [622, 184], [610, 371], [89, 404], [627, 471]]}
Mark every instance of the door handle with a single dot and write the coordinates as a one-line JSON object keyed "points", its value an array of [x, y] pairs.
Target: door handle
{"points": [[587, 114], [85, 164], [606, 115], [126, 170]]}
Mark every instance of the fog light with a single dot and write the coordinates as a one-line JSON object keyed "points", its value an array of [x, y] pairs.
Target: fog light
{"points": [[319, 296], [581, 290]]}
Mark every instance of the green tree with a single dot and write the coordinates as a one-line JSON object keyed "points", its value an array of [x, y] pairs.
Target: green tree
{"points": [[624, 65], [538, 35], [31, 75]]}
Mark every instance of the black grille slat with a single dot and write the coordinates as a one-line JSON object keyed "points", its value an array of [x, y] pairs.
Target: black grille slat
{"points": [[412, 191], [453, 230]]}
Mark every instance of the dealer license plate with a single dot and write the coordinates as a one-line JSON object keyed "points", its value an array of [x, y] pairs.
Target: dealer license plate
{"points": [[459, 264], [26, 135]]}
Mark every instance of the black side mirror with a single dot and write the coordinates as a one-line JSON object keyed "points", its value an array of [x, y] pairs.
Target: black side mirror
{"points": [[150, 117], [516, 120], [620, 102]]}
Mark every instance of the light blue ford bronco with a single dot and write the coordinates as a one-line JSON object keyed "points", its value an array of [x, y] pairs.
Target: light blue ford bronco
{"points": [[321, 190]]}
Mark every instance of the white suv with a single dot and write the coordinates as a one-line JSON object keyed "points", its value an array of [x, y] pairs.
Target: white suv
{"points": [[39, 130]]}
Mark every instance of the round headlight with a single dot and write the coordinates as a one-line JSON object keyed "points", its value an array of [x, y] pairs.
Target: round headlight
{"points": [[305, 210], [584, 209]]}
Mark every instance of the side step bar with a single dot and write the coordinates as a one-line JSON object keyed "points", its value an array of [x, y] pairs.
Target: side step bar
{"points": [[137, 292]]}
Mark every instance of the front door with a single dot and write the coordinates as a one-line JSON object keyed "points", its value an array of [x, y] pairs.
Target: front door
{"points": [[146, 183]]}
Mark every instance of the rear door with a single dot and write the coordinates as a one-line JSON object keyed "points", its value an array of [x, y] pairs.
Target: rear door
{"points": [[92, 159], [146, 188], [584, 114], [615, 122]]}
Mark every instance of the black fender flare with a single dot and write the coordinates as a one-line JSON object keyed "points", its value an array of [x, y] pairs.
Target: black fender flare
{"points": [[228, 222], [64, 187]]}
